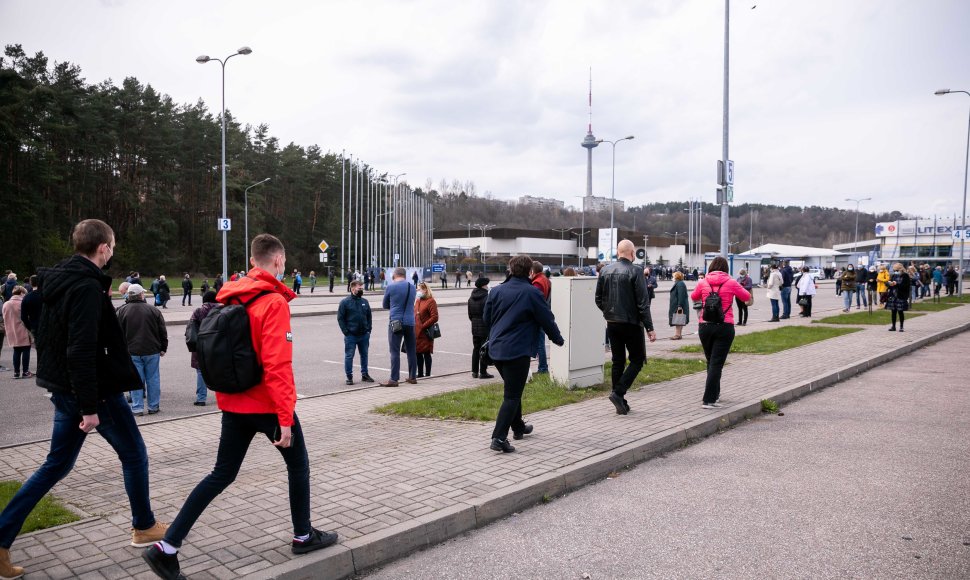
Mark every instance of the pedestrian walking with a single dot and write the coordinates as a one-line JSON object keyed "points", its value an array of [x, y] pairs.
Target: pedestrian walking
{"points": [[83, 362], [458, 278], [30, 308], [773, 285], [201, 389], [898, 297], [268, 408], [147, 338], [937, 281], [17, 334], [622, 296], [297, 281], [745, 281], [444, 280], [541, 282], [425, 319], [187, 287], [514, 312], [164, 292], [399, 301], [468, 278], [354, 319], [332, 276], [414, 278], [677, 312], [476, 310], [848, 287], [313, 281], [716, 330]]}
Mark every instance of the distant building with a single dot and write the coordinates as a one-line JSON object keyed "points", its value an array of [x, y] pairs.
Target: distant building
{"points": [[592, 203], [542, 202]]}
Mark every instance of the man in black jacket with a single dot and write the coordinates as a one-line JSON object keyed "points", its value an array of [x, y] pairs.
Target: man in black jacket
{"points": [[621, 293], [476, 312], [83, 361], [187, 289], [354, 319], [144, 330]]}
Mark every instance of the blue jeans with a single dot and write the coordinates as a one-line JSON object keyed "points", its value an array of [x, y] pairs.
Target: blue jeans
{"points": [[541, 353], [394, 342], [774, 308], [786, 301], [847, 299], [360, 343], [118, 428], [200, 389], [147, 366], [860, 297], [238, 431]]}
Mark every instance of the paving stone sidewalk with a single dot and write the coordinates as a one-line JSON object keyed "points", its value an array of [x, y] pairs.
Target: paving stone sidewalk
{"points": [[390, 485]]}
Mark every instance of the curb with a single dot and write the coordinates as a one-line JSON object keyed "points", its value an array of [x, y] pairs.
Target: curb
{"points": [[368, 551]]}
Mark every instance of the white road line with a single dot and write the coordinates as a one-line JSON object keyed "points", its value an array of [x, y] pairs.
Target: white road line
{"points": [[369, 367]]}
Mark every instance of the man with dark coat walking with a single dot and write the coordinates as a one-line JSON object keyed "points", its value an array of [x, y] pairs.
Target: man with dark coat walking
{"points": [[476, 309], [187, 289]]}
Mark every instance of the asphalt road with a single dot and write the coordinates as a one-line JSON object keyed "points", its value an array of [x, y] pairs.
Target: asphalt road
{"points": [[866, 479]]}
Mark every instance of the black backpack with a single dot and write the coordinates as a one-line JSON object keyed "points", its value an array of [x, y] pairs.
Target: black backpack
{"points": [[713, 311], [224, 349]]}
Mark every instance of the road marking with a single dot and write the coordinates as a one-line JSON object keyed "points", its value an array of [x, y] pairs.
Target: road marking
{"points": [[369, 367]]}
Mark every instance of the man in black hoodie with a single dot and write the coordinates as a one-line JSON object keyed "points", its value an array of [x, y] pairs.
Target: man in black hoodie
{"points": [[476, 309], [83, 361]]}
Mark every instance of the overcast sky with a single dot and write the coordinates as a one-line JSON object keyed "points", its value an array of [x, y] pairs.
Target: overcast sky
{"points": [[829, 98]]}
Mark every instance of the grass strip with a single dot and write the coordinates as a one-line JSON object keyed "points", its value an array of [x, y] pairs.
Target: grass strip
{"points": [[46, 514], [878, 317], [482, 403], [933, 306], [778, 339]]}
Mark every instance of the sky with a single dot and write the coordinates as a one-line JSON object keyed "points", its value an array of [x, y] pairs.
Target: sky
{"points": [[829, 99]]}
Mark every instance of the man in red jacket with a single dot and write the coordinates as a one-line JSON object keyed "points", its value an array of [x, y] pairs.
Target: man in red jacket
{"points": [[267, 408], [542, 284]]}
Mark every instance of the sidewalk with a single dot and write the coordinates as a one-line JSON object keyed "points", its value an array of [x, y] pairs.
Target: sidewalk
{"points": [[390, 485]]}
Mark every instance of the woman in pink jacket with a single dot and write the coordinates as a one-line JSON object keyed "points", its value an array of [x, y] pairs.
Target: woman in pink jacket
{"points": [[717, 336], [17, 334]]}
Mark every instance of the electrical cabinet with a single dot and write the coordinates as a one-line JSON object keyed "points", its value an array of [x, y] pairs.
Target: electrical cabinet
{"points": [[578, 363]]}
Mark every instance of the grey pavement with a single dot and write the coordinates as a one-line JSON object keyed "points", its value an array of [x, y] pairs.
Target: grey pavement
{"points": [[866, 479], [392, 485]]}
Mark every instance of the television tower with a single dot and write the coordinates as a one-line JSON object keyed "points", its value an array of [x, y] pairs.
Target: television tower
{"points": [[589, 143]]}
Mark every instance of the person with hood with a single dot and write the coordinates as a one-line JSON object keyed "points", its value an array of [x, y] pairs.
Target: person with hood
{"points": [[476, 309], [83, 362], [201, 390], [268, 408], [717, 336]]}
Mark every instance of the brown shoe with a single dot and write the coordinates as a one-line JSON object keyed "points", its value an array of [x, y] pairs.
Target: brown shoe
{"points": [[411, 381], [8, 570], [390, 384], [145, 538]]}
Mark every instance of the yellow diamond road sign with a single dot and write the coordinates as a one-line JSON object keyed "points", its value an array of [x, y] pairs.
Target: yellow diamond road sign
{"points": [[323, 246]]}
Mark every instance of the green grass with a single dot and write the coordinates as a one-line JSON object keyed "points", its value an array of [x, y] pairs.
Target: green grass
{"points": [[482, 403], [777, 339], [879, 317], [955, 299], [933, 306], [47, 514]]}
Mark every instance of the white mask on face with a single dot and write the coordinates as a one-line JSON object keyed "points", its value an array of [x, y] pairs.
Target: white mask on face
{"points": [[420, 294]]}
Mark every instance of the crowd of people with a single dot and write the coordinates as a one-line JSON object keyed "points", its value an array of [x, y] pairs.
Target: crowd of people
{"points": [[101, 364]]}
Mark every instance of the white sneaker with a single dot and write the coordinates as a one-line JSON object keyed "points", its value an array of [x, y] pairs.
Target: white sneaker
{"points": [[710, 406]]}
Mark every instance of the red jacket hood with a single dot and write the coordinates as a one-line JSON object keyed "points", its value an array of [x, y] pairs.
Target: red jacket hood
{"points": [[716, 278], [255, 281]]}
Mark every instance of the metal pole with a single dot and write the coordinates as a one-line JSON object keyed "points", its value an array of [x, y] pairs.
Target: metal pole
{"points": [[724, 131], [343, 216], [963, 215], [225, 233], [609, 257], [246, 221]]}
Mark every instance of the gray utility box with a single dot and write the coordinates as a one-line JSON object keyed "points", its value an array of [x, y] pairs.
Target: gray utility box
{"points": [[579, 363]]}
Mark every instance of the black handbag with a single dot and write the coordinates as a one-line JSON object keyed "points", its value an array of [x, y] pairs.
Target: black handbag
{"points": [[483, 355], [397, 327], [433, 331]]}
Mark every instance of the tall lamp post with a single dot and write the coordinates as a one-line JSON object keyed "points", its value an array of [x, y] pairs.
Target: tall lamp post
{"points": [[674, 234], [246, 220], [202, 60], [613, 190], [855, 245], [963, 214], [484, 228]]}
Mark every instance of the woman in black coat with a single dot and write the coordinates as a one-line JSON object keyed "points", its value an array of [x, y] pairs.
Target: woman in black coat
{"points": [[164, 291], [898, 300], [476, 307]]}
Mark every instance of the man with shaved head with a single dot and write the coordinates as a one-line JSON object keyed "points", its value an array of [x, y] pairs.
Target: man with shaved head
{"points": [[621, 293]]}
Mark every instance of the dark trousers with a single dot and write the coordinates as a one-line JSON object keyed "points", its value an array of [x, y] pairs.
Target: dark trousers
{"points": [[807, 308], [187, 295], [21, 359], [785, 301], [626, 338], [716, 340], [742, 312], [120, 431], [424, 364], [514, 374], [902, 317], [238, 430], [394, 342], [478, 365]]}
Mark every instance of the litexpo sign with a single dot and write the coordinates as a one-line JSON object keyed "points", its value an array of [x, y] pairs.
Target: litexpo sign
{"points": [[913, 227]]}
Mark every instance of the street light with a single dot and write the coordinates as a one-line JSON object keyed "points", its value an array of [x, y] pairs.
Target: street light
{"points": [[562, 255], [674, 234], [963, 215], [855, 246], [202, 60], [246, 221], [613, 190]]}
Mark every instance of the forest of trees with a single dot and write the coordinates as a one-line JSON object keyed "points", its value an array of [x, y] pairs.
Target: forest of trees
{"points": [[150, 167]]}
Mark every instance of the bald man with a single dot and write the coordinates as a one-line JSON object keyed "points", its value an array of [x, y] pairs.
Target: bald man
{"points": [[621, 293]]}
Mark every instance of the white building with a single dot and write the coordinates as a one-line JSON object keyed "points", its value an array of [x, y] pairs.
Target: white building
{"points": [[923, 240], [591, 203], [542, 202]]}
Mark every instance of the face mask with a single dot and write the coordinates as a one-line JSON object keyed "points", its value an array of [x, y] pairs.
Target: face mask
{"points": [[850, 268], [359, 293], [107, 264], [420, 294]]}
